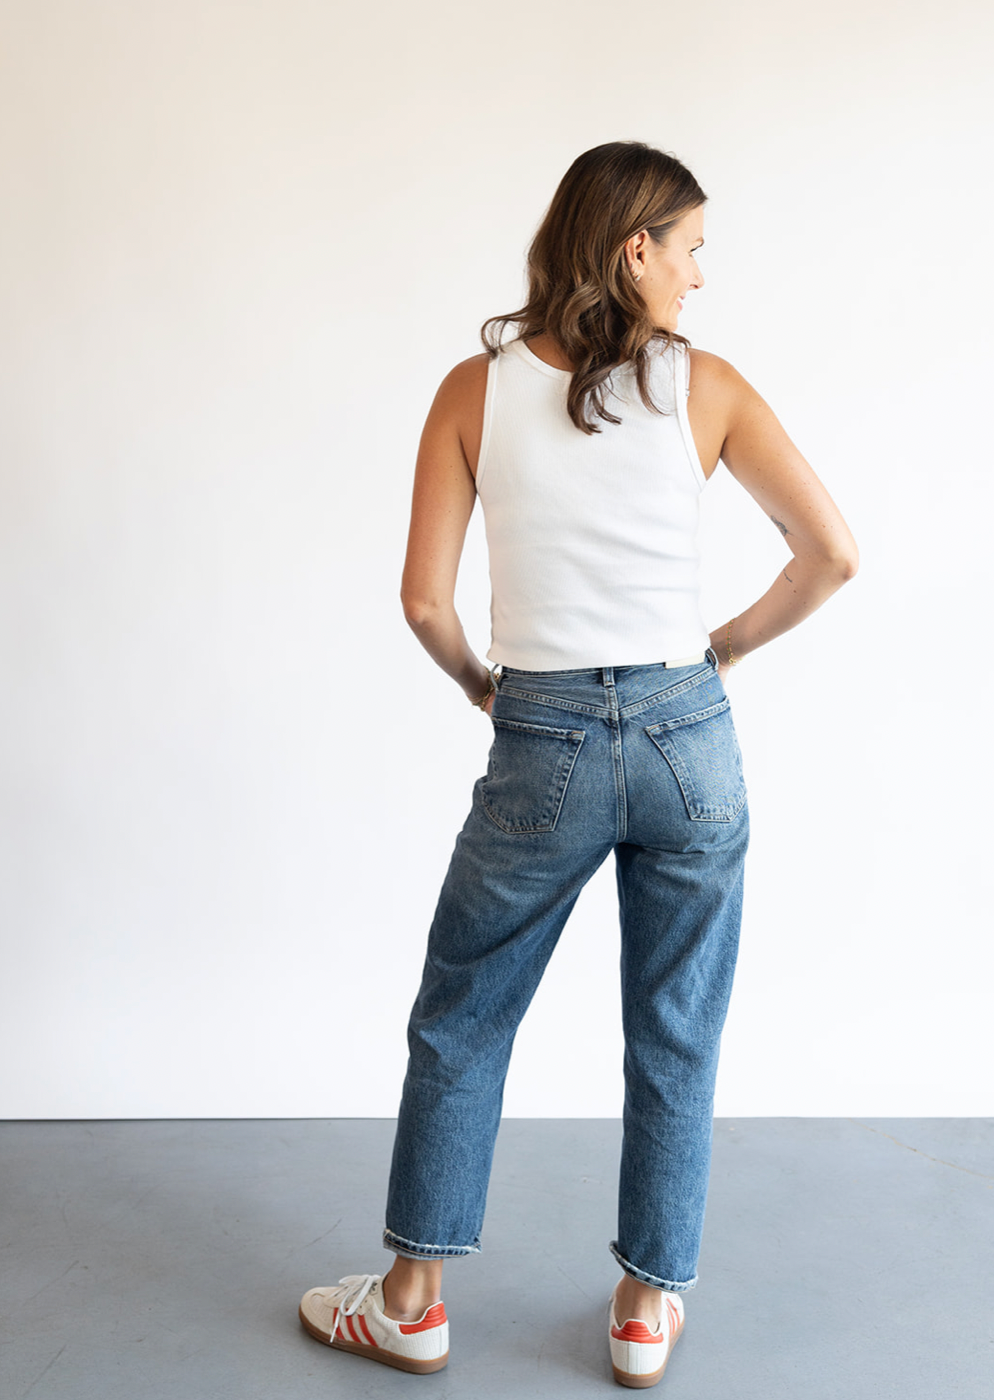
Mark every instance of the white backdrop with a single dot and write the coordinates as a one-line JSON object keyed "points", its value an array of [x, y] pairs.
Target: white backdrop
{"points": [[240, 245]]}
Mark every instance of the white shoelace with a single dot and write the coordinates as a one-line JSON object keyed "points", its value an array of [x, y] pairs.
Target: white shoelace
{"points": [[354, 1288]]}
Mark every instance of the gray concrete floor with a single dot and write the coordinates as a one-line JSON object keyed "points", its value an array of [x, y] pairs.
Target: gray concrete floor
{"points": [[842, 1258]]}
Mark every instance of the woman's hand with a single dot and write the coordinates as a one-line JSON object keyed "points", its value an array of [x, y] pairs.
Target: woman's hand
{"points": [[488, 707]]}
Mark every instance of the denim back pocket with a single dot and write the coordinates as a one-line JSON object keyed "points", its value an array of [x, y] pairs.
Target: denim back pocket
{"points": [[527, 772], [703, 751]]}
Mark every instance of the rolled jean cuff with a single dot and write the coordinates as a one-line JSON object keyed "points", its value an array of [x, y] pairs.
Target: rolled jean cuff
{"points": [[410, 1249], [667, 1284]]}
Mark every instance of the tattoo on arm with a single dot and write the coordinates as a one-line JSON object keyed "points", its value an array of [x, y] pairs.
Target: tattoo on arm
{"points": [[787, 576]]}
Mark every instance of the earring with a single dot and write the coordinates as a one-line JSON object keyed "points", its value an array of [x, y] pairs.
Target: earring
{"points": [[637, 276]]}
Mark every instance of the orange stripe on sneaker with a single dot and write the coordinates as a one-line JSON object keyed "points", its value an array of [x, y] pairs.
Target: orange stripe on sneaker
{"points": [[635, 1331], [365, 1327], [351, 1327], [434, 1317]]}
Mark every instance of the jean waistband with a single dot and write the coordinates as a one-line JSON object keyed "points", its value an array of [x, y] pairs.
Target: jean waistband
{"points": [[604, 671]]}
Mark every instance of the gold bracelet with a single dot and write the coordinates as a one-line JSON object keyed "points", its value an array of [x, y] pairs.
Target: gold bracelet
{"points": [[732, 660], [491, 690]]}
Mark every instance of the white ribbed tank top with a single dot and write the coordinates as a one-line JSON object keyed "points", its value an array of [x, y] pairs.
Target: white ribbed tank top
{"points": [[592, 539]]}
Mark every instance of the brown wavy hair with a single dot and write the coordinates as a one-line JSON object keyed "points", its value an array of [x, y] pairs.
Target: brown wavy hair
{"points": [[580, 289]]}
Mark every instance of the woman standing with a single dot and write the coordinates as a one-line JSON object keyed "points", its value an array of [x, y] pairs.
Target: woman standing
{"points": [[588, 439]]}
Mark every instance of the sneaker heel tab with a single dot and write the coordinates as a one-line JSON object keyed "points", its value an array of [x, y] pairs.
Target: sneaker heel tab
{"points": [[433, 1317], [635, 1330]]}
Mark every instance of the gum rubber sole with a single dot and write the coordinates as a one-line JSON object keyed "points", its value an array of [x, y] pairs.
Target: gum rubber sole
{"points": [[652, 1377], [389, 1358]]}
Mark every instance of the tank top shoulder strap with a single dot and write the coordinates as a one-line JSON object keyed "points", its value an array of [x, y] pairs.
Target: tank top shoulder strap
{"points": [[493, 373], [681, 354]]}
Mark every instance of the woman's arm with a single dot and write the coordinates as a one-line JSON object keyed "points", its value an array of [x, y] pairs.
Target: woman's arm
{"points": [[443, 500], [760, 455]]}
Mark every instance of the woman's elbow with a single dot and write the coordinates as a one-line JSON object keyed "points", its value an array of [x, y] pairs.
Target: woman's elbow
{"points": [[849, 562], [846, 564], [419, 611], [839, 557], [833, 566], [415, 610]]}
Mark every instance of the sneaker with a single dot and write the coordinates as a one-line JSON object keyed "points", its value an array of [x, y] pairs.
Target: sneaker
{"points": [[349, 1315], [639, 1355]]}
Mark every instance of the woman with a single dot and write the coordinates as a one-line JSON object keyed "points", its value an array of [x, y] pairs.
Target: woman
{"points": [[588, 439]]}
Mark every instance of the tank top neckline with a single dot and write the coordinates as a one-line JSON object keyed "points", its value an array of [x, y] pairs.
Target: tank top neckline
{"points": [[534, 359], [531, 358]]}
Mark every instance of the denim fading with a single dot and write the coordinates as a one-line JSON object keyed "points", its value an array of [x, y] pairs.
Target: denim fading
{"points": [[642, 761]]}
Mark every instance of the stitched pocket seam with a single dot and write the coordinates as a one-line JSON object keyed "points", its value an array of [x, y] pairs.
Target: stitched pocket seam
{"points": [[552, 799], [697, 808]]}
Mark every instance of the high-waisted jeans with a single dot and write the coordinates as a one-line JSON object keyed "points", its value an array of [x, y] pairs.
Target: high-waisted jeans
{"points": [[644, 761]]}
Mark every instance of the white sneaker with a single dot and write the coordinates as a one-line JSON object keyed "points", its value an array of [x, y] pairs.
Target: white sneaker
{"points": [[639, 1355], [349, 1315]]}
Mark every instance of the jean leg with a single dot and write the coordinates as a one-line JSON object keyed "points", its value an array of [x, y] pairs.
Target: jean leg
{"points": [[680, 915], [502, 907]]}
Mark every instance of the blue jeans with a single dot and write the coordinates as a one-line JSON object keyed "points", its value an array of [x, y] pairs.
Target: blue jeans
{"points": [[644, 761]]}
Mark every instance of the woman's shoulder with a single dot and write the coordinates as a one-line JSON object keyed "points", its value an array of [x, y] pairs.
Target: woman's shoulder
{"points": [[705, 365], [713, 379], [474, 363], [471, 368], [466, 380], [463, 389], [712, 403], [459, 404]]}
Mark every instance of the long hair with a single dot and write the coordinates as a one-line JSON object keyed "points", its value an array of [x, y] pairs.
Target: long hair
{"points": [[580, 289]]}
